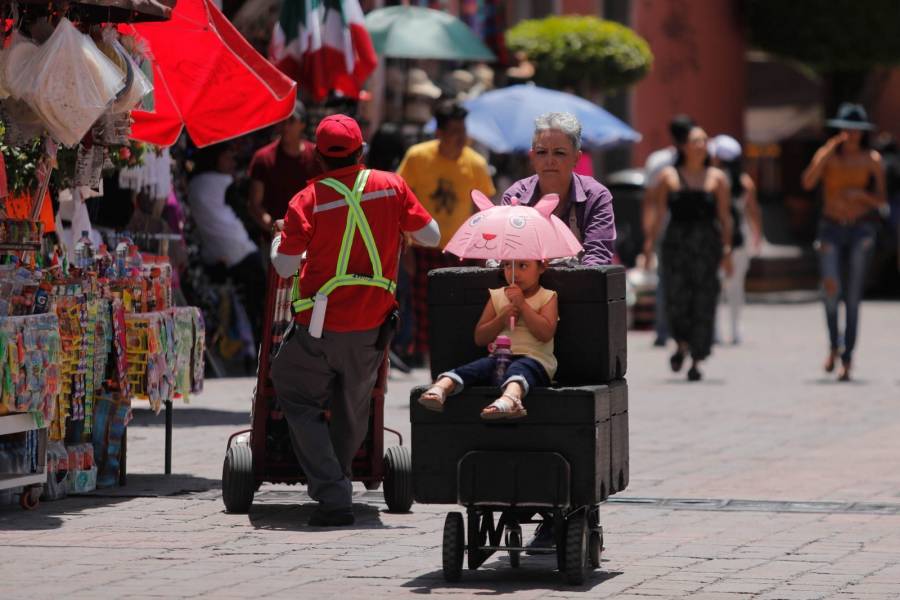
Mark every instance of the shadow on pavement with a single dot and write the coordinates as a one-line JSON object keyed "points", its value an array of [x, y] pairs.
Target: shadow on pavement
{"points": [[684, 381], [190, 417], [834, 381], [13, 518], [293, 517], [537, 572], [154, 485]]}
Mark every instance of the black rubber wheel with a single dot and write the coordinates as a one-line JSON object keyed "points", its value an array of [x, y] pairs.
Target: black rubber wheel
{"points": [[238, 484], [454, 545], [595, 548], [514, 538], [30, 498], [398, 488], [577, 533]]}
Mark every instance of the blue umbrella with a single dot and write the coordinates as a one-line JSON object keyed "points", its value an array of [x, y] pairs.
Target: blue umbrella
{"points": [[503, 120]]}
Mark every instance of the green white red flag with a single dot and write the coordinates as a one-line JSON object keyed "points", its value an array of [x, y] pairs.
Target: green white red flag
{"points": [[324, 46]]}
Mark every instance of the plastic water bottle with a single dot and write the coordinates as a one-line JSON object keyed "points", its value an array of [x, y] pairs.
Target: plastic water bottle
{"points": [[121, 268], [84, 253], [104, 262], [135, 262], [503, 354]]}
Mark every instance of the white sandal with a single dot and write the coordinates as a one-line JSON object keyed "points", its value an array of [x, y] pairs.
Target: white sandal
{"points": [[433, 398], [506, 406]]}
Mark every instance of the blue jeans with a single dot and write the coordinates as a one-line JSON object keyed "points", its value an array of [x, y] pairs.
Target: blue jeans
{"points": [[526, 371], [844, 253]]}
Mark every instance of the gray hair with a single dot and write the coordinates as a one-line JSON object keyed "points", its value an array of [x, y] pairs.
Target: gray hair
{"points": [[564, 122]]}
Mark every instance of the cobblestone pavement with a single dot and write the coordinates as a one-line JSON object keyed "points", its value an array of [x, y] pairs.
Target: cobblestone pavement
{"points": [[767, 480]]}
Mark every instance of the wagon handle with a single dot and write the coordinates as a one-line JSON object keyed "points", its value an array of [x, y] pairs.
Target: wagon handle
{"points": [[395, 432]]}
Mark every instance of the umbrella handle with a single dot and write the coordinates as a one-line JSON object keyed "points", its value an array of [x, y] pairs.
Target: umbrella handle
{"points": [[512, 319]]}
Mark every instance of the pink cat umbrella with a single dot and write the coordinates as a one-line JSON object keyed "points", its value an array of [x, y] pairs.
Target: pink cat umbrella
{"points": [[514, 232]]}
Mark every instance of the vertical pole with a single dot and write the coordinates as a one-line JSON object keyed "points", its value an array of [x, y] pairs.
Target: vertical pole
{"points": [[168, 437]]}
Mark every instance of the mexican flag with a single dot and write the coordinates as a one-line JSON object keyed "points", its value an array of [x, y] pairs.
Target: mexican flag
{"points": [[324, 45]]}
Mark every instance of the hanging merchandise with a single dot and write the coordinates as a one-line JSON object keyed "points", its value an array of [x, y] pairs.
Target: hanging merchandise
{"points": [[67, 81], [29, 364], [153, 178]]}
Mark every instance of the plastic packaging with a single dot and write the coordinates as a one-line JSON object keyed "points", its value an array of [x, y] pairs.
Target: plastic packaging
{"points": [[502, 352], [67, 81]]}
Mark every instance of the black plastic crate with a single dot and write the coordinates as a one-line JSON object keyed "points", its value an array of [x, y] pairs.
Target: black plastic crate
{"points": [[574, 422]]}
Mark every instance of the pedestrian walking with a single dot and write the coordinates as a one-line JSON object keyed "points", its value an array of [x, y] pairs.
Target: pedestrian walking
{"points": [[225, 242], [584, 203], [442, 173], [279, 170], [679, 128], [853, 187], [747, 235], [696, 244], [350, 223]]}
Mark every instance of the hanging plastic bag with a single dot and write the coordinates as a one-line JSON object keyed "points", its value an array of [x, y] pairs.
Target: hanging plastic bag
{"points": [[137, 85], [68, 82]]}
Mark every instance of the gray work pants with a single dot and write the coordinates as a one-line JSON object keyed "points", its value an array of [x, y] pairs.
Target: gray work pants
{"points": [[336, 372]]}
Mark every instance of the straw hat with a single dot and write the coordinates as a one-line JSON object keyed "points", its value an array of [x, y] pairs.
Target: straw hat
{"points": [[418, 84], [458, 83]]}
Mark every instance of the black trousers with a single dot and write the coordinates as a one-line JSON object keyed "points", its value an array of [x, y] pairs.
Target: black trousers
{"points": [[249, 278]]}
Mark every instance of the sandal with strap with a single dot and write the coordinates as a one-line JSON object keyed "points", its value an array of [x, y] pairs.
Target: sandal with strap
{"points": [[506, 406], [433, 398]]}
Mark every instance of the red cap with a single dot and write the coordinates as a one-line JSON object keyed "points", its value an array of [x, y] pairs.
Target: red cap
{"points": [[338, 136]]}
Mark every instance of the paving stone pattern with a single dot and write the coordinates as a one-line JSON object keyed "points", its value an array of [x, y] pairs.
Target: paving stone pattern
{"points": [[767, 480]]}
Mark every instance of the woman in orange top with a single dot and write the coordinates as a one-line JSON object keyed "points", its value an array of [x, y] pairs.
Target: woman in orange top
{"points": [[853, 185]]}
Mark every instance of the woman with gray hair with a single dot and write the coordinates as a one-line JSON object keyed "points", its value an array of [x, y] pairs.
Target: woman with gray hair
{"points": [[584, 203]]}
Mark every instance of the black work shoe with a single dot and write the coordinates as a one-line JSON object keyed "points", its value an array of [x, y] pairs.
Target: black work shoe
{"points": [[332, 518], [676, 361], [543, 538], [694, 374]]}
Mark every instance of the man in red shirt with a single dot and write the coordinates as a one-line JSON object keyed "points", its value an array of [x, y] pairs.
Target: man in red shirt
{"points": [[279, 170], [350, 224]]}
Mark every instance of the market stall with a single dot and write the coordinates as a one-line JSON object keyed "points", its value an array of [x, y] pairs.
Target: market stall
{"points": [[87, 329]]}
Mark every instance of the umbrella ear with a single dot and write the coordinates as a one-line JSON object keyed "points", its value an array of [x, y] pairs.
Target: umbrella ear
{"points": [[481, 201], [546, 204]]}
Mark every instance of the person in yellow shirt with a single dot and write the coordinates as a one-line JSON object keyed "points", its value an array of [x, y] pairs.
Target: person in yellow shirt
{"points": [[442, 173]]}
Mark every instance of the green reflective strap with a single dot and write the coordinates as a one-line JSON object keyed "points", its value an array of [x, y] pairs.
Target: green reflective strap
{"points": [[363, 224], [356, 219]]}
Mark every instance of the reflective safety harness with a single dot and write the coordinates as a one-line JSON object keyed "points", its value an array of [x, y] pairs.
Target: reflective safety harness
{"points": [[356, 219]]}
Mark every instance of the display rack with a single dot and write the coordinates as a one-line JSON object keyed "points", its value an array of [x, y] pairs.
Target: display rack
{"points": [[17, 423]]}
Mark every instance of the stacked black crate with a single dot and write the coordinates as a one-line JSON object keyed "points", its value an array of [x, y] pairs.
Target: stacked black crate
{"points": [[583, 417]]}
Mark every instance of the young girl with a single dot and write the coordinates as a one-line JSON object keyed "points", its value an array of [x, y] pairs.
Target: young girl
{"points": [[536, 312]]}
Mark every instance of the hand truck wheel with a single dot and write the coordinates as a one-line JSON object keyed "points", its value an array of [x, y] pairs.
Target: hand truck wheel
{"points": [[238, 484]]}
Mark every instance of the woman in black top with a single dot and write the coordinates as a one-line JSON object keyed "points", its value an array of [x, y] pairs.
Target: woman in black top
{"points": [[696, 244]]}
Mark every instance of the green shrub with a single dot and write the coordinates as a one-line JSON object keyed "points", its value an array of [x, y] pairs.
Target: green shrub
{"points": [[577, 51]]}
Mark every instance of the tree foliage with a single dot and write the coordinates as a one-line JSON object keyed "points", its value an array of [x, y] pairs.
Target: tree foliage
{"points": [[829, 35], [573, 51]]}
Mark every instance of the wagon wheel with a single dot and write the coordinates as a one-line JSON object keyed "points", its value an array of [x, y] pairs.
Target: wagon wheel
{"points": [[577, 532], [30, 497], [398, 489], [514, 539], [238, 484], [454, 544], [595, 548]]}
